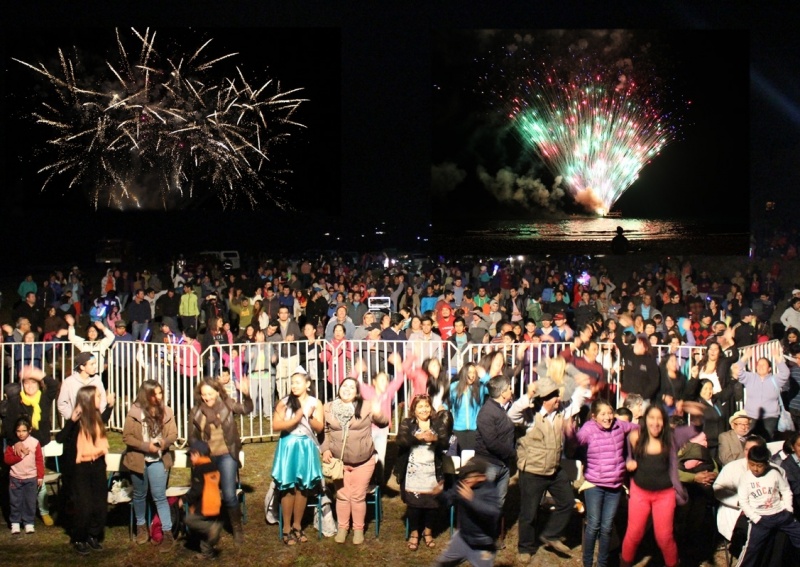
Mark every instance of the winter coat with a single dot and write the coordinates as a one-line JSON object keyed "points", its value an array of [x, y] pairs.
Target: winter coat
{"points": [[230, 432], [359, 447], [137, 448], [605, 454]]}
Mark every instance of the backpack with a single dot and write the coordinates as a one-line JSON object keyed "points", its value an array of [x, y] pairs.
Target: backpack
{"points": [[176, 515], [211, 502]]}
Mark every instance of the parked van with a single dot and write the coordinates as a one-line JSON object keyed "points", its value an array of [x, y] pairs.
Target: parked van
{"points": [[229, 258]]}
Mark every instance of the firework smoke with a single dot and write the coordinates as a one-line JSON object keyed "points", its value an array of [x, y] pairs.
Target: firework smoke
{"points": [[166, 126]]}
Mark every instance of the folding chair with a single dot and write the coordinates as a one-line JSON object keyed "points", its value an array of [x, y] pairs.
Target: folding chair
{"points": [[317, 505], [53, 449], [374, 498], [113, 468], [239, 491]]}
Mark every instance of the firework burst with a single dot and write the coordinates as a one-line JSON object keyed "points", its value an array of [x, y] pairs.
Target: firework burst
{"points": [[593, 122], [166, 124]]}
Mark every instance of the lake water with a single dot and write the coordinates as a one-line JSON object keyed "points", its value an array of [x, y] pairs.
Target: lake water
{"points": [[579, 235]]}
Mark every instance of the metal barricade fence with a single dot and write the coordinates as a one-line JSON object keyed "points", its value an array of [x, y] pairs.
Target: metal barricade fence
{"points": [[270, 365]]}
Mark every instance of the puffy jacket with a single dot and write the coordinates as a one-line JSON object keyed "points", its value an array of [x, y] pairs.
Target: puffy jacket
{"points": [[605, 455], [358, 448]]}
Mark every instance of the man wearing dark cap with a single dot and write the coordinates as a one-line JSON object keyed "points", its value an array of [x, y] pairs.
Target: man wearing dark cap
{"points": [[539, 464], [564, 331], [479, 510], [744, 333], [547, 332]]}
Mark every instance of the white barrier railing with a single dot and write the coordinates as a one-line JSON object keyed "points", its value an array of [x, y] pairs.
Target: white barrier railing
{"points": [[269, 366]]}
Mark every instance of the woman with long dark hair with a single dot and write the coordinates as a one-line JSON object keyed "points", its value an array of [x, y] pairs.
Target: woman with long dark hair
{"points": [[467, 394], [149, 432], [349, 414], [296, 467], [655, 487], [422, 439], [85, 442]]}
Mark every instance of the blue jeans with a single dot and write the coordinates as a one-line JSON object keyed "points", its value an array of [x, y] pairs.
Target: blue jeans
{"points": [[228, 471], [601, 507], [139, 329], [154, 477], [500, 475]]}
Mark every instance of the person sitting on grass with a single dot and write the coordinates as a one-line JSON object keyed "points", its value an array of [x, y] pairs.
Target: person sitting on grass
{"points": [[204, 499], [479, 510]]}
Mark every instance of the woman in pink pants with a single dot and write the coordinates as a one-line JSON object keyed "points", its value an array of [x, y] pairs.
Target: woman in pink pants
{"points": [[655, 487], [352, 414]]}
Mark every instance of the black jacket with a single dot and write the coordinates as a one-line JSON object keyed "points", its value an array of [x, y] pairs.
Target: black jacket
{"points": [[477, 518], [495, 437], [16, 410]]}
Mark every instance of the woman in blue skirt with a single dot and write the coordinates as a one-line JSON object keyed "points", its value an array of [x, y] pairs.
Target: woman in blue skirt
{"points": [[297, 467]]}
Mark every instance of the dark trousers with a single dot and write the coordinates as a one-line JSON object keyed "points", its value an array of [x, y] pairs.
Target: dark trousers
{"points": [[22, 497], [208, 528], [90, 493], [531, 488], [760, 532]]}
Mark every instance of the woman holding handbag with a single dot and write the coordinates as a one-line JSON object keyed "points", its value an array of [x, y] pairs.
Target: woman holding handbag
{"points": [[348, 438]]}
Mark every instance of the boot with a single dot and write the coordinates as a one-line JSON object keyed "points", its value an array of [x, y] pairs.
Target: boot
{"points": [[358, 537], [167, 543], [235, 514], [341, 535]]}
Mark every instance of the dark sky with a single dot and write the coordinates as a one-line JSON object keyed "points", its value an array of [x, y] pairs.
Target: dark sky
{"points": [[297, 58], [378, 133], [703, 172]]}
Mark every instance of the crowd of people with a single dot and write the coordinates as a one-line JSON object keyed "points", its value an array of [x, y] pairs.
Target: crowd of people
{"points": [[659, 435]]}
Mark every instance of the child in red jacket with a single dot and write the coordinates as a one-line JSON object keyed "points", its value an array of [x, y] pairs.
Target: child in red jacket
{"points": [[27, 476]]}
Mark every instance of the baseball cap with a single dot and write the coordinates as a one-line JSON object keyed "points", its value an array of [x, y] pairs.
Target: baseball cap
{"points": [[559, 317], [745, 312], [82, 359]]}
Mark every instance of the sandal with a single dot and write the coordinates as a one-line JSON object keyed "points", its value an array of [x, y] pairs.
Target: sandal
{"points": [[299, 536], [289, 539], [413, 545], [429, 539]]}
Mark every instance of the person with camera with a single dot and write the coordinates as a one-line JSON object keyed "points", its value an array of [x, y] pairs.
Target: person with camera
{"points": [[149, 432]]}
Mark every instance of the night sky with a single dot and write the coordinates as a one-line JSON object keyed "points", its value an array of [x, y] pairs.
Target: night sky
{"points": [[303, 58], [369, 72], [703, 172]]}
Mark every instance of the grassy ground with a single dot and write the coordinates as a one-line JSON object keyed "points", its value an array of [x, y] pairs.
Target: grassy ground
{"points": [[50, 546]]}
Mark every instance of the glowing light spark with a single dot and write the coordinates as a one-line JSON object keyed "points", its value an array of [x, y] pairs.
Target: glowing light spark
{"points": [[596, 124], [166, 125]]}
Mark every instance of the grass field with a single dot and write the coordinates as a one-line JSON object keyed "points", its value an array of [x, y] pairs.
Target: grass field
{"points": [[50, 546]]}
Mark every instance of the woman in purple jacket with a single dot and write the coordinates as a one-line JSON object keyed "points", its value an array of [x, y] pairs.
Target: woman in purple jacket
{"points": [[604, 438]]}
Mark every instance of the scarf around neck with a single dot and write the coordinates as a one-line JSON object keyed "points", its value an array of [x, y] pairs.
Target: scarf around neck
{"points": [[33, 401]]}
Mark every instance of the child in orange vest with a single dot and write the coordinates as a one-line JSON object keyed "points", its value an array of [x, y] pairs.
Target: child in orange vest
{"points": [[204, 499]]}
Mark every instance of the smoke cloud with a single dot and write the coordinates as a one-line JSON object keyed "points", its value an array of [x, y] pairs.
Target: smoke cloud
{"points": [[527, 191], [445, 177]]}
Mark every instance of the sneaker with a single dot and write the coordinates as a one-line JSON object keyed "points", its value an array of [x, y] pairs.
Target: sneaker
{"points": [[81, 547], [94, 544], [167, 543], [47, 519], [15, 529], [555, 545], [29, 529]]}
